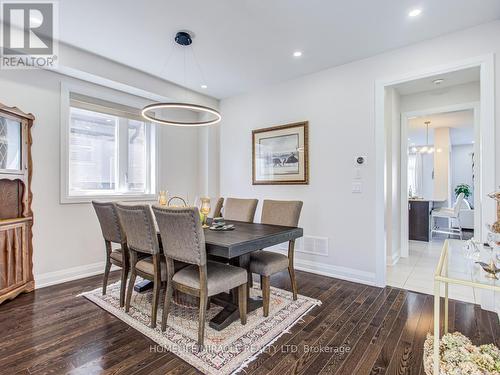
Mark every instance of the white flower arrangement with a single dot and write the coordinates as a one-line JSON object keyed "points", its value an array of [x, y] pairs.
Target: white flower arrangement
{"points": [[459, 357]]}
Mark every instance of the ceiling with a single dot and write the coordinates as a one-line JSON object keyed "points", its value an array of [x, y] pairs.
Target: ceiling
{"points": [[246, 44], [459, 77], [461, 124]]}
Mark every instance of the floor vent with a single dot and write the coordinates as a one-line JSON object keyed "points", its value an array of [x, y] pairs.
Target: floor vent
{"points": [[308, 245]]}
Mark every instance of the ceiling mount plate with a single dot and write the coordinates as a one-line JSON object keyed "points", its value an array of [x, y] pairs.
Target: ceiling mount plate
{"points": [[183, 38]]}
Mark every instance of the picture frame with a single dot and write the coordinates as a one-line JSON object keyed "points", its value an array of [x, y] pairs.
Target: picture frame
{"points": [[280, 155]]}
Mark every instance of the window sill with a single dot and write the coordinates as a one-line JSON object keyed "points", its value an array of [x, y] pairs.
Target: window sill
{"points": [[108, 198]]}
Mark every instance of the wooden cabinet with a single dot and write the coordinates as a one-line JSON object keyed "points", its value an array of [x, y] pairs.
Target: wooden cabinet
{"points": [[418, 220], [16, 217]]}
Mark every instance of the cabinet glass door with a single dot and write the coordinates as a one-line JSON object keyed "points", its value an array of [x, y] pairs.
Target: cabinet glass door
{"points": [[10, 145]]}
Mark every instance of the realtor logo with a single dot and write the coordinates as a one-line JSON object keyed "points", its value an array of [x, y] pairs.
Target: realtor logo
{"points": [[29, 37]]}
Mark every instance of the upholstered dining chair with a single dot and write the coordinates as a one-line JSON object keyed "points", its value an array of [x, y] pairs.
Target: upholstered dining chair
{"points": [[240, 209], [112, 232], [138, 224], [183, 240], [267, 263]]}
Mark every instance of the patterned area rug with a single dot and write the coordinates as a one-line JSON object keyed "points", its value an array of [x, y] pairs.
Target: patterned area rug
{"points": [[225, 352]]}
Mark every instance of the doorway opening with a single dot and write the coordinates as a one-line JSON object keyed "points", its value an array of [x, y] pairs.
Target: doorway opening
{"points": [[437, 130]]}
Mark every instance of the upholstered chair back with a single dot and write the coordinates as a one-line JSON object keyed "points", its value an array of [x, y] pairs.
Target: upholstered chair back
{"points": [[240, 209], [181, 233], [458, 204], [286, 213], [110, 223], [216, 210], [138, 223]]}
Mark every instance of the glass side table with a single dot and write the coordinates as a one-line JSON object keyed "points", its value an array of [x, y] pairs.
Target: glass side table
{"points": [[454, 267]]}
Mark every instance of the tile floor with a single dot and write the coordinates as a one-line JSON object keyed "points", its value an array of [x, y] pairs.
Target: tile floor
{"points": [[416, 272]]}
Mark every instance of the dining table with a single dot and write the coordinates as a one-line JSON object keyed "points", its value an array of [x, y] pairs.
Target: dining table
{"points": [[235, 247]]}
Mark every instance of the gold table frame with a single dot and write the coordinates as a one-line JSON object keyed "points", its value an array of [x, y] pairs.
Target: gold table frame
{"points": [[441, 277]]}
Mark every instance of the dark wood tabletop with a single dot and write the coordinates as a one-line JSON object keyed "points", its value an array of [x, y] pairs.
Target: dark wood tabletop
{"points": [[247, 237], [236, 246]]}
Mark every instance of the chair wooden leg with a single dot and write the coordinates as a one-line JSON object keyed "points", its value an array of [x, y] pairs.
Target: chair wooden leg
{"points": [[242, 303], [201, 322], [291, 271], [130, 288], [249, 279], [156, 297], [261, 282], [266, 293], [106, 275], [169, 292], [123, 285]]}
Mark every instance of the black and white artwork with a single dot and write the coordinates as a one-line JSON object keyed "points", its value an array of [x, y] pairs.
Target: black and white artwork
{"points": [[280, 155]]}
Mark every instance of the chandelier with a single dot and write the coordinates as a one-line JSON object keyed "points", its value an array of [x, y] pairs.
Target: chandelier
{"points": [[183, 39], [427, 149]]}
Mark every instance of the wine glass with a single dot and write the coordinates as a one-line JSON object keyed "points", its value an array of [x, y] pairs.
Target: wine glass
{"points": [[205, 209]]}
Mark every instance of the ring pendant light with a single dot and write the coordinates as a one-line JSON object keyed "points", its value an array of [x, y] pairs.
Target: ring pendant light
{"points": [[183, 39]]}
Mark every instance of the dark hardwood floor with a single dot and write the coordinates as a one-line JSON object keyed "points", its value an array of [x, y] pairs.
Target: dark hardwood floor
{"points": [[53, 331]]}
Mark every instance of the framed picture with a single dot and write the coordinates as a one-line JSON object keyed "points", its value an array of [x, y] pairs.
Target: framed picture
{"points": [[280, 155]]}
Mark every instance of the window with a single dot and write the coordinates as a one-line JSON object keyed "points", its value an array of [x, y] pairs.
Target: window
{"points": [[110, 150]]}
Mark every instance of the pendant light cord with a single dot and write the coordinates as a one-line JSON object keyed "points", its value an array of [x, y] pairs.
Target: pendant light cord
{"points": [[200, 70]]}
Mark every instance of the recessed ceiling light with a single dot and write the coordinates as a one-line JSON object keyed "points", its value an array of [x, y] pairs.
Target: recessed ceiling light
{"points": [[204, 86], [438, 81], [297, 54], [415, 13]]}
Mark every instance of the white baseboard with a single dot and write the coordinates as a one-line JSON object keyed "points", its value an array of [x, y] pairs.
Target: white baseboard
{"points": [[69, 274], [344, 273], [80, 272]]}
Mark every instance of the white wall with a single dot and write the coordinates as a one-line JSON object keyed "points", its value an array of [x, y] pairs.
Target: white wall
{"points": [[339, 104], [393, 175], [427, 178], [461, 167], [67, 240], [442, 165], [459, 94]]}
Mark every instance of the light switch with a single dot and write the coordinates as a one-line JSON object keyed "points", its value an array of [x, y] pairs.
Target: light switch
{"points": [[357, 173], [357, 187]]}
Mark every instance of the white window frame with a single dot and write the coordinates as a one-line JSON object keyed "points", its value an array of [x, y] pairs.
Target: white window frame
{"points": [[152, 167]]}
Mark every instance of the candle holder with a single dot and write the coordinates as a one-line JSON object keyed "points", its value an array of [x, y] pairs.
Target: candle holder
{"points": [[162, 198], [205, 209]]}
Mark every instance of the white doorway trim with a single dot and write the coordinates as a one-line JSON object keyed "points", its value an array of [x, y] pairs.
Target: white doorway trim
{"points": [[405, 117], [486, 147]]}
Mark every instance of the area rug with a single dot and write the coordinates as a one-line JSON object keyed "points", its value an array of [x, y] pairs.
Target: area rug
{"points": [[225, 352]]}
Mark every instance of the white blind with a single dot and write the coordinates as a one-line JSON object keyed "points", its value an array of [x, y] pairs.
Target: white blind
{"points": [[104, 106]]}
